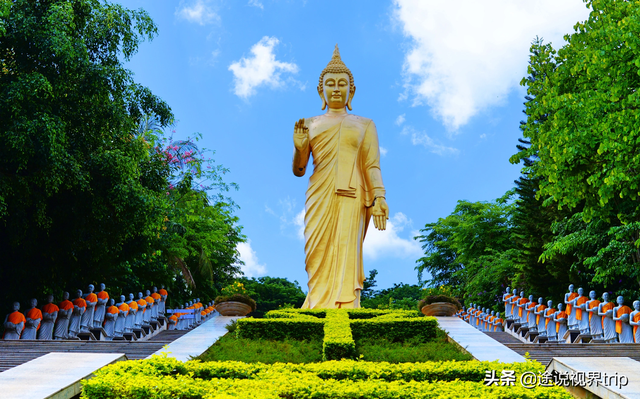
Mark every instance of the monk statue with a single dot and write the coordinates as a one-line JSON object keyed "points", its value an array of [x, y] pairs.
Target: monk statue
{"points": [[521, 304], [605, 310], [123, 311], [98, 315], [79, 308], [87, 317], [64, 316], [33, 317], [531, 317], [130, 321], [497, 323], [14, 323], [634, 320], [595, 322], [49, 316], [505, 300], [142, 309], [110, 317], [470, 312], [345, 190], [621, 317], [163, 305], [539, 320], [580, 303], [158, 301], [151, 312], [560, 318], [569, 297], [513, 301], [549, 323]]}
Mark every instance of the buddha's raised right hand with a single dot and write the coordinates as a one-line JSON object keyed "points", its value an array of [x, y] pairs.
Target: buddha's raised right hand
{"points": [[300, 135]]}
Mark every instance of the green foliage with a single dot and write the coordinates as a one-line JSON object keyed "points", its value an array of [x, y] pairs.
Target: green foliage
{"points": [[411, 350], [273, 292], [166, 377], [279, 329], [229, 347], [338, 342], [400, 296], [395, 328]]}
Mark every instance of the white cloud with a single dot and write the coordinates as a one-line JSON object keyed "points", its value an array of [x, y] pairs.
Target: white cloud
{"points": [[400, 119], [383, 151], [252, 267], [290, 219], [468, 55], [421, 138], [298, 221], [256, 3], [199, 11], [261, 68], [388, 243]]}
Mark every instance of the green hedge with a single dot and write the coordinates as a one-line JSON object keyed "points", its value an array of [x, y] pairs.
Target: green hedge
{"points": [[338, 342], [168, 378], [278, 329], [395, 329]]}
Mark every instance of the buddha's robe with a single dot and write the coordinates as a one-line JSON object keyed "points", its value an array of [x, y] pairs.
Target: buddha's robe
{"points": [[345, 181], [130, 321], [507, 307], [148, 314], [76, 316], [608, 324], [499, 325], [540, 320], [561, 325], [142, 308], [101, 306], [31, 327], [87, 317], [571, 310], [531, 317], [549, 324], [122, 317], [163, 304], [172, 322], [110, 317], [624, 330], [158, 309], [49, 316], [514, 302], [582, 321], [595, 321], [62, 323], [521, 305], [16, 326], [635, 317]]}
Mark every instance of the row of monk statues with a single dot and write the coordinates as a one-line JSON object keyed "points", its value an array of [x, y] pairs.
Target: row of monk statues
{"points": [[190, 315], [584, 319], [88, 311]]}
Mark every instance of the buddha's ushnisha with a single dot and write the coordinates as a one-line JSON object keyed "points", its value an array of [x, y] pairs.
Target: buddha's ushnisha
{"points": [[345, 190]]}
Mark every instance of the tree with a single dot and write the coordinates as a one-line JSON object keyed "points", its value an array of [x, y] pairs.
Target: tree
{"points": [[270, 293], [369, 285]]}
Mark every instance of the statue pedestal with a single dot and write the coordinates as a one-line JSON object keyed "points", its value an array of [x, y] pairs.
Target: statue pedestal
{"points": [[583, 339], [570, 336], [139, 333], [508, 323], [540, 339], [155, 325], [147, 329], [86, 336], [129, 336], [531, 335], [99, 334], [118, 339], [161, 320], [523, 330]]}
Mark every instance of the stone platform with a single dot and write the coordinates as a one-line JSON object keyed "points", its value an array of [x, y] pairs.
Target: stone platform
{"points": [[53, 376], [477, 343]]}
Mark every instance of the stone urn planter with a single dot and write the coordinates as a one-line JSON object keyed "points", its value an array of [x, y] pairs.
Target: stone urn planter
{"points": [[232, 308], [439, 309]]}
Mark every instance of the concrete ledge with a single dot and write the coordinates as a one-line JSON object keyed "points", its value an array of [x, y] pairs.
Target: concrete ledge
{"points": [[196, 342], [56, 375], [477, 343], [612, 366]]}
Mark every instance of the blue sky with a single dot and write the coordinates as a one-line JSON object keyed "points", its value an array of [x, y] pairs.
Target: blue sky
{"points": [[440, 80]]}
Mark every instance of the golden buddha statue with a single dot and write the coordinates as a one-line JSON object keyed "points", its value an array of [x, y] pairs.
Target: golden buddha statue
{"points": [[345, 190]]}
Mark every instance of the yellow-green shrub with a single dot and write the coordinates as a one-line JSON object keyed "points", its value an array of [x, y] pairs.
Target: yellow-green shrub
{"points": [[338, 342]]}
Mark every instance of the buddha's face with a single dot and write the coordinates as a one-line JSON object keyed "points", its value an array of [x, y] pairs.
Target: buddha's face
{"points": [[550, 303], [140, 295], [147, 292], [65, 296], [605, 296], [16, 306], [49, 298], [541, 300], [580, 291], [79, 293], [121, 298], [336, 89], [102, 287], [620, 300], [571, 288], [131, 297], [112, 302], [530, 298], [91, 288], [508, 289], [34, 302], [559, 307], [636, 305], [592, 295], [155, 289]]}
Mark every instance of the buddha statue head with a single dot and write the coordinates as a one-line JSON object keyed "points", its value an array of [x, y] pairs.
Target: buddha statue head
{"points": [[560, 307], [79, 293], [33, 302], [15, 306], [636, 305], [592, 295], [570, 287], [147, 292], [139, 295], [522, 294], [530, 298], [605, 297], [580, 291], [508, 289], [91, 288], [336, 86], [121, 298], [49, 298], [541, 300], [131, 296], [112, 302], [498, 315], [549, 303], [102, 287], [65, 296], [515, 292], [620, 300], [493, 313], [154, 289]]}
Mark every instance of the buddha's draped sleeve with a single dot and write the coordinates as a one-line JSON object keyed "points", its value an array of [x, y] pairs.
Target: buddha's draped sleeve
{"points": [[622, 310], [370, 164]]}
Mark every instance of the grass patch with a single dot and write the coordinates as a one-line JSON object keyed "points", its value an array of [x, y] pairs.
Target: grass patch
{"points": [[411, 350], [229, 347]]}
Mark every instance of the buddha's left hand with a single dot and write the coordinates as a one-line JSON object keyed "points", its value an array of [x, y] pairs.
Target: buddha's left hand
{"points": [[380, 213]]}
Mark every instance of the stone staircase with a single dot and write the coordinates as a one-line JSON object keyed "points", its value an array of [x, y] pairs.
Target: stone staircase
{"points": [[545, 352]]}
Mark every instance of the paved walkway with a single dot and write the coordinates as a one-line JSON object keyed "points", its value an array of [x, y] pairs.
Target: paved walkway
{"points": [[54, 375], [198, 340], [610, 367], [478, 344]]}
